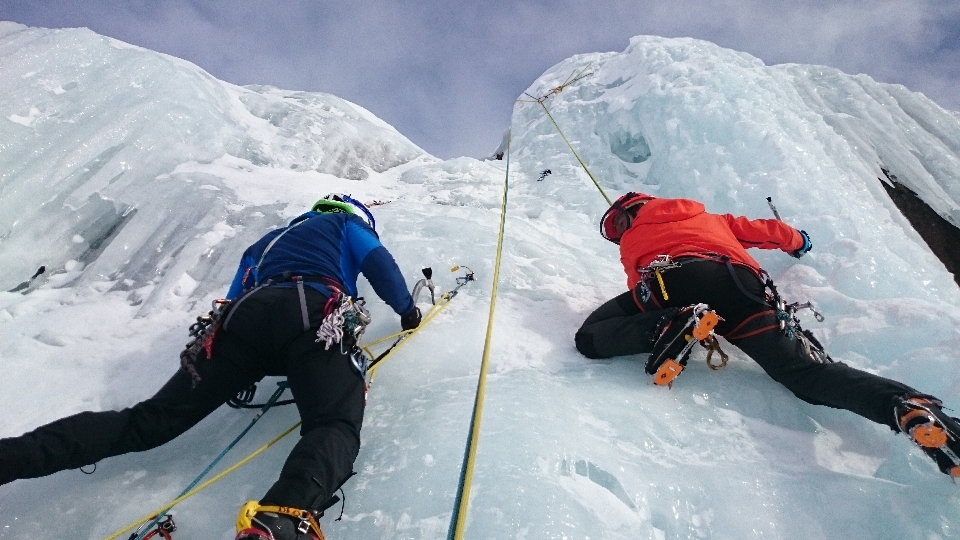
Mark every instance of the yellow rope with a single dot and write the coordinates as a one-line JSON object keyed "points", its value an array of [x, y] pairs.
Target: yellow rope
{"points": [[202, 486], [466, 479], [574, 77], [434, 311], [575, 154]]}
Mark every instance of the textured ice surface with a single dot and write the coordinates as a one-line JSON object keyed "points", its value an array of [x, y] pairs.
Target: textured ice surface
{"points": [[138, 179], [92, 133]]}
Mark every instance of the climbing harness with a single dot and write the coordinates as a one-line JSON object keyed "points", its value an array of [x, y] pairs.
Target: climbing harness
{"points": [[787, 320], [786, 314], [150, 520], [657, 267], [308, 521], [362, 356]]}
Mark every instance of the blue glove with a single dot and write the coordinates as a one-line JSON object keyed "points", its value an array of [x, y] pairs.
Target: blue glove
{"points": [[807, 246]]}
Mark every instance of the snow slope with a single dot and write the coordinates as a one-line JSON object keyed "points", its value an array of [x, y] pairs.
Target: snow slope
{"points": [[138, 179]]}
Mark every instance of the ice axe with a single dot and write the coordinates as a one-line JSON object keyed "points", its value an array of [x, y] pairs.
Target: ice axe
{"points": [[774, 208], [425, 282], [27, 283]]}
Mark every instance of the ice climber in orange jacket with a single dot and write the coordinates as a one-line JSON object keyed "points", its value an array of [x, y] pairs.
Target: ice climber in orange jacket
{"points": [[690, 278]]}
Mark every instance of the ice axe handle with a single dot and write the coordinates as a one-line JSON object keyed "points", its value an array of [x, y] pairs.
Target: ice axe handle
{"points": [[774, 208]]}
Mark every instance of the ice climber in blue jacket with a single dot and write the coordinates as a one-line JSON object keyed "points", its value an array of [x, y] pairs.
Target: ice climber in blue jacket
{"points": [[291, 311]]}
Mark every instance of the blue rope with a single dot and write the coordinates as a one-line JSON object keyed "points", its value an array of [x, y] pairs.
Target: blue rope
{"points": [[281, 386]]}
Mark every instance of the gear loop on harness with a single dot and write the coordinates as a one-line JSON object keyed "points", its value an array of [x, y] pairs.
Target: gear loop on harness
{"points": [[785, 314], [345, 319], [656, 268], [203, 332]]}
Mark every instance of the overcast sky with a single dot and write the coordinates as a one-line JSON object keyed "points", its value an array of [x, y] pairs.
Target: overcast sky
{"points": [[446, 74]]}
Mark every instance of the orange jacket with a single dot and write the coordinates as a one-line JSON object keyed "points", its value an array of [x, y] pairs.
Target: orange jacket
{"points": [[681, 227]]}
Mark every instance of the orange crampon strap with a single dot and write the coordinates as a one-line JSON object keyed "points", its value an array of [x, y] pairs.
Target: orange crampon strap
{"points": [[666, 373], [927, 434], [249, 510], [705, 325]]}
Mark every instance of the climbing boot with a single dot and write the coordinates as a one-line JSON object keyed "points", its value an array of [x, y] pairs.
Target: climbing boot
{"points": [[675, 338], [257, 522], [938, 435]]}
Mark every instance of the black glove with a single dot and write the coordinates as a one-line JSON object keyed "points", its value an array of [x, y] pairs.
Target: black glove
{"points": [[807, 246], [411, 320]]}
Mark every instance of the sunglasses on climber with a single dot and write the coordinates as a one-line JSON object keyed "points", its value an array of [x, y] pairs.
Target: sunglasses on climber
{"points": [[619, 217]]}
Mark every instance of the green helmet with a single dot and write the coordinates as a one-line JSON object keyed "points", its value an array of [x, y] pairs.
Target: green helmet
{"points": [[344, 204]]}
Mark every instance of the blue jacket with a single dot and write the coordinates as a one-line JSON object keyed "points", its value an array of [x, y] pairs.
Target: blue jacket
{"points": [[335, 246]]}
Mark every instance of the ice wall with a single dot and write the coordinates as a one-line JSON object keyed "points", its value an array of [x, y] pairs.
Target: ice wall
{"points": [[569, 447], [92, 132], [686, 118]]}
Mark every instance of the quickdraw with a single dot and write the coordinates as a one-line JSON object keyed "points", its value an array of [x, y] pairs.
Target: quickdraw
{"points": [[345, 320], [203, 331], [789, 324], [787, 315]]}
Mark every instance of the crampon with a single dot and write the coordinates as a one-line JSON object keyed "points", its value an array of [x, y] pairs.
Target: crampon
{"points": [[676, 337], [937, 434]]}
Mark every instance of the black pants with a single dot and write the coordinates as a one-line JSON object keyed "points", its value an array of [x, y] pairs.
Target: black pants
{"points": [[265, 336], [626, 324]]}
